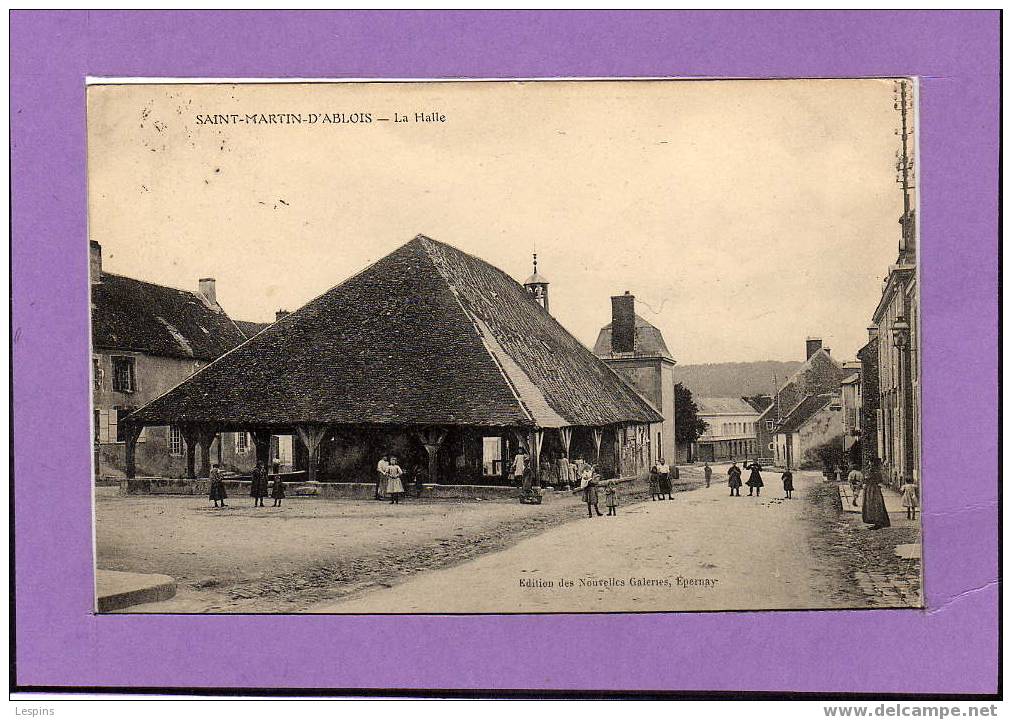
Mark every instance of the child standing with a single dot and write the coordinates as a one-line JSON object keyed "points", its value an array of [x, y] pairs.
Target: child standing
{"points": [[788, 478], [278, 490], [395, 488], [909, 490], [217, 489], [707, 473], [588, 486], [611, 497]]}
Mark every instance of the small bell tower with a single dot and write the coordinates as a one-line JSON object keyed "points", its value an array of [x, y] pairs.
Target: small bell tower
{"points": [[537, 286]]}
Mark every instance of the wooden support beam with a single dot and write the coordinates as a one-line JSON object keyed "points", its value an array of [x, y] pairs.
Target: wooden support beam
{"points": [[132, 432], [311, 436], [205, 437], [191, 439], [262, 445]]}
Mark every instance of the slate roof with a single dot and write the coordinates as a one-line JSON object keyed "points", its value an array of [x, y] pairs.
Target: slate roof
{"points": [[723, 406], [129, 314], [428, 335], [649, 341], [759, 402], [250, 328], [821, 373], [804, 411]]}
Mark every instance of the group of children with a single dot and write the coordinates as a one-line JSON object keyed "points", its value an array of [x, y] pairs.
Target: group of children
{"points": [[590, 481], [258, 487]]}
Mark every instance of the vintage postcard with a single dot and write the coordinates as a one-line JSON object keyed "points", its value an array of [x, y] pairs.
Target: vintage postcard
{"points": [[505, 346]]}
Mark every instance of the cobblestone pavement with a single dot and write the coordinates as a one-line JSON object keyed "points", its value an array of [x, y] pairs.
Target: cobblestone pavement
{"points": [[868, 557]]}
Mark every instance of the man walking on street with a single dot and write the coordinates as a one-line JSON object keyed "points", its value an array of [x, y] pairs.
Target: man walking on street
{"points": [[734, 479]]}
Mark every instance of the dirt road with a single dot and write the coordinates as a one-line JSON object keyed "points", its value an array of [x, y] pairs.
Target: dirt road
{"points": [[701, 551]]}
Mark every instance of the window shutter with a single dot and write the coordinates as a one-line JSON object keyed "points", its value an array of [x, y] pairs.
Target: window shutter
{"points": [[113, 420]]}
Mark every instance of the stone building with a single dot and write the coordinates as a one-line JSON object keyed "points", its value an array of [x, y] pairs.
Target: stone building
{"points": [[730, 430], [871, 438], [430, 353], [146, 339], [636, 350], [816, 420], [820, 374]]}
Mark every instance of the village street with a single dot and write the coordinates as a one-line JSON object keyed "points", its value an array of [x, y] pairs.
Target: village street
{"points": [[701, 551]]}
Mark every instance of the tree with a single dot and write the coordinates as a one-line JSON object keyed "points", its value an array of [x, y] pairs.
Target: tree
{"points": [[688, 426]]}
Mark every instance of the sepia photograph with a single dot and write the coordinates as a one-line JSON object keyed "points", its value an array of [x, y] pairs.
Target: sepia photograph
{"points": [[492, 347]]}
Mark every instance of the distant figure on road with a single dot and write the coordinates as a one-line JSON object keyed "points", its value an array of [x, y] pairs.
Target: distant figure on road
{"points": [[856, 480], [663, 479], [588, 486], [382, 475], [278, 490], [734, 479], [755, 478], [707, 473], [655, 482], [788, 478], [217, 489], [395, 488], [873, 511], [258, 486], [611, 497], [909, 490]]}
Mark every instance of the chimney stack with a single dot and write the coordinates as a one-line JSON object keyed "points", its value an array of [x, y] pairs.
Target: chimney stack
{"points": [[95, 262], [872, 332], [207, 290], [623, 323], [280, 314], [812, 346]]}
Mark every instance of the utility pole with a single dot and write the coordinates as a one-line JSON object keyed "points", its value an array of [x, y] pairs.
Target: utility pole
{"points": [[905, 175]]}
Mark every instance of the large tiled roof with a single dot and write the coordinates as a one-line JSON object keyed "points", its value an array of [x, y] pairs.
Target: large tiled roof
{"points": [[428, 335], [649, 342], [133, 315], [804, 411], [723, 406]]}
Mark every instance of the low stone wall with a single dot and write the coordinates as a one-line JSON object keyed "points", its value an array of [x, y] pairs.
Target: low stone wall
{"points": [[329, 491]]}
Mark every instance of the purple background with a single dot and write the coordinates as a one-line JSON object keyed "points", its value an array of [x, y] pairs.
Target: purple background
{"points": [[951, 648]]}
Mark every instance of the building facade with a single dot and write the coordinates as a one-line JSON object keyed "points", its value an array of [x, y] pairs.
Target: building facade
{"points": [[146, 339], [816, 421], [730, 430], [636, 350]]}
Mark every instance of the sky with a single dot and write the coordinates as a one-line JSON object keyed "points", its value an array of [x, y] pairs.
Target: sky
{"points": [[743, 215]]}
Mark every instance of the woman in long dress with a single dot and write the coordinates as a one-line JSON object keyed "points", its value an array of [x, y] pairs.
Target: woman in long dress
{"points": [[664, 480], [873, 510], [258, 486]]}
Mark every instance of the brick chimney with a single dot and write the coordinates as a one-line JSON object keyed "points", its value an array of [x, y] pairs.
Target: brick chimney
{"points": [[872, 332], [623, 323], [95, 262], [812, 346], [207, 290], [281, 313]]}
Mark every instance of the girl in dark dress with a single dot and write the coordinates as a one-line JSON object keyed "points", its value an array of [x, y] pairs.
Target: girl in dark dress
{"points": [[278, 491], [258, 486], [788, 478], [217, 490], [755, 479]]}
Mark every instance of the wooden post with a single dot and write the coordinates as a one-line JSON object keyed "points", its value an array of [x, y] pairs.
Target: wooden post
{"points": [[262, 445], [132, 432], [205, 436], [191, 438], [432, 439], [311, 435]]}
